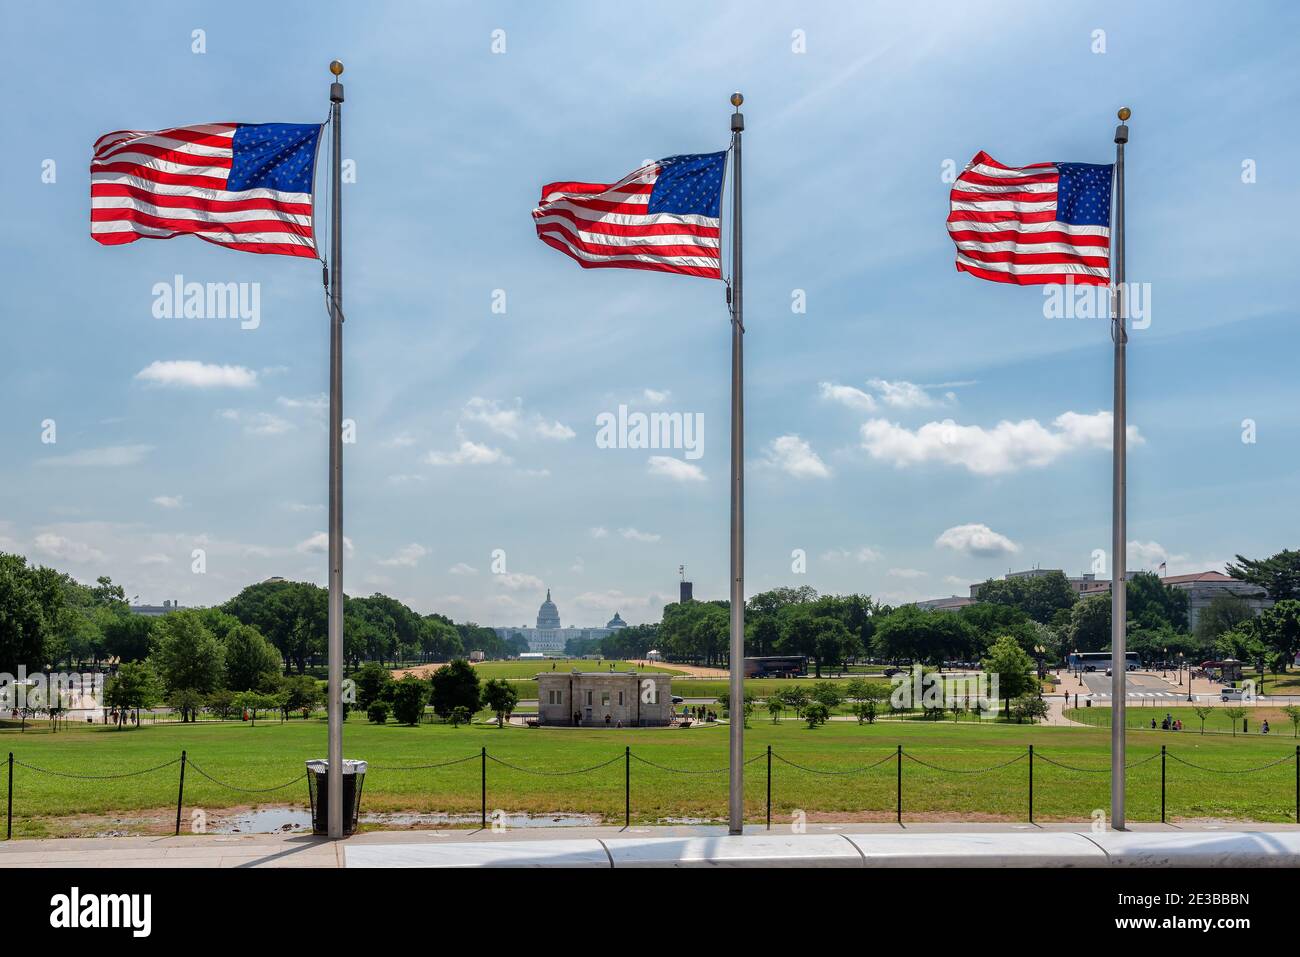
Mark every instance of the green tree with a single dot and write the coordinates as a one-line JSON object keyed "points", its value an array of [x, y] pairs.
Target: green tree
{"points": [[460, 715], [828, 693], [500, 696], [27, 608], [188, 657], [377, 712], [1203, 712], [1279, 575], [1029, 706], [816, 714], [133, 687], [410, 695], [774, 708], [252, 663], [1090, 624], [1223, 614], [1014, 669], [1234, 715], [1040, 597], [128, 637], [455, 685], [374, 683], [1293, 712]]}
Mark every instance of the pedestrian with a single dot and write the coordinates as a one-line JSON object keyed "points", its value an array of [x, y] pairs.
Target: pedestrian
{"points": [[1263, 728], [1153, 724]]}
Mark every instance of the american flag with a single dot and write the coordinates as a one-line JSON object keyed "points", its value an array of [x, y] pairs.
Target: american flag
{"points": [[247, 186], [1046, 223], [665, 216]]}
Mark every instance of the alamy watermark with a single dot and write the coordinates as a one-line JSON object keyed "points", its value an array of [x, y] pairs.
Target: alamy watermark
{"points": [[179, 299], [651, 430], [935, 691]]}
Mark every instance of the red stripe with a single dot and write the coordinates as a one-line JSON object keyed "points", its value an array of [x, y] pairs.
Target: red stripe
{"points": [[170, 155], [983, 159], [187, 201], [962, 196], [183, 226], [597, 205], [983, 179], [619, 229], [653, 267], [1000, 216], [649, 250], [1026, 239], [157, 176], [1035, 279], [1016, 257], [184, 133]]}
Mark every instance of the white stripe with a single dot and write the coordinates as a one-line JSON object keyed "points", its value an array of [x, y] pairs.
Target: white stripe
{"points": [[165, 166], [630, 219], [165, 143], [220, 235], [1022, 269], [644, 175], [967, 186], [1015, 226], [204, 129], [198, 215], [568, 199], [1011, 173], [201, 192], [653, 239], [1009, 206], [700, 261], [1012, 246]]}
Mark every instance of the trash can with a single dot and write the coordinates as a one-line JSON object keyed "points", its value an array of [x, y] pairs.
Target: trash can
{"points": [[354, 776]]}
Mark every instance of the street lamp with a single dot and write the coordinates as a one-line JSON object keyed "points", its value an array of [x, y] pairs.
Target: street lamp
{"points": [[1078, 667], [1164, 664]]}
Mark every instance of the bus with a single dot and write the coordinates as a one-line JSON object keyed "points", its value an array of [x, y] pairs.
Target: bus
{"points": [[1100, 660], [788, 666]]}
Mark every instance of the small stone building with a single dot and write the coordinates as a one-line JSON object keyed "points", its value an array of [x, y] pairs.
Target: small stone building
{"points": [[600, 699]]}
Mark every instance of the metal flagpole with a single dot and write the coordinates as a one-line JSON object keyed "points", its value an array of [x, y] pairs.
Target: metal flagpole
{"points": [[334, 780], [1118, 543], [736, 802]]}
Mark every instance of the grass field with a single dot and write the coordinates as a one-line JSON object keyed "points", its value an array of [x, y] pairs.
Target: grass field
{"points": [[1218, 721], [272, 754]]}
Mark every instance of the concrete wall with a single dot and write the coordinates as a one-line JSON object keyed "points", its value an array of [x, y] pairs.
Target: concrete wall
{"points": [[594, 695]]}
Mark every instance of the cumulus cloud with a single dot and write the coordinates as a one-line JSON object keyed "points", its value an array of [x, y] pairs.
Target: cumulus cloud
{"points": [[462, 568], [903, 395], [675, 469], [257, 423], [469, 453], [907, 573], [598, 531], [408, 556], [167, 501], [976, 540], [192, 374], [1007, 447], [66, 549], [511, 420], [110, 456], [656, 396], [848, 395], [794, 456], [319, 544], [633, 535], [517, 582], [864, 554]]}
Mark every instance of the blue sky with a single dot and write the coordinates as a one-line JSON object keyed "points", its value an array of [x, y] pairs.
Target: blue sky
{"points": [[476, 430]]}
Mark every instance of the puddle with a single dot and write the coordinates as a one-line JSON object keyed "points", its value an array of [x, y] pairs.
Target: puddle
{"points": [[287, 820]]}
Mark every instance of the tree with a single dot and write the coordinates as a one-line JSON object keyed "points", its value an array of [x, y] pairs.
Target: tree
{"points": [[1203, 712], [500, 696], [301, 693], [913, 633], [293, 616], [1234, 715], [455, 685], [1293, 712], [188, 657], [1089, 628], [374, 683], [1279, 575], [1013, 668], [221, 703], [774, 708], [1152, 604], [827, 693], [252, 663], [128, 637], [1223, 614], [816, 714], [796, 699], [460, 715], [1278, 629], [1039, 596], [26, 610], [377, 713], [133, 687], [255, 701], [1029, 706]]}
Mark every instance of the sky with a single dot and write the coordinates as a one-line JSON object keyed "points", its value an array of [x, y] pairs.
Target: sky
{"points": [[909, 431]]}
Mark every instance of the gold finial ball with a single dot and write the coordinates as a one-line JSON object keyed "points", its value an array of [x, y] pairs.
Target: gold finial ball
{"points": [[336, 67], [736, 99], [1124, 113]]}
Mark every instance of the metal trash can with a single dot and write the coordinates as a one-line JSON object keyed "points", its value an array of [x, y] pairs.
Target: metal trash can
{"points": [[354, 777]]}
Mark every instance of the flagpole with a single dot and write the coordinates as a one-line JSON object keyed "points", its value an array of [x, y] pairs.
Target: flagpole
{"points": [[1118, 544], [736, 802], [334, 779]]}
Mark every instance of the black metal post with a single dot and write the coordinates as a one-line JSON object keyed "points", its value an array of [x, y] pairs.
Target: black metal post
{"points": [[769, 787], [483, 783], [1031, 784], [627, 787], [180, 794], [1162, 784], [899, 800], [9, 813]]}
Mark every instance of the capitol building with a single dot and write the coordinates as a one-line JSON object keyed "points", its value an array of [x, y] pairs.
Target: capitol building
{"points": [[548, 637]]}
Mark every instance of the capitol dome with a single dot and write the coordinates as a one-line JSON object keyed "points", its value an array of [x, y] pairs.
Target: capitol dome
{"points": [[548, 616], [616, 622]]}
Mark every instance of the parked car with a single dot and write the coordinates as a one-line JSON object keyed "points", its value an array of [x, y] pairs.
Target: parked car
{"points": [[1232, 694]]}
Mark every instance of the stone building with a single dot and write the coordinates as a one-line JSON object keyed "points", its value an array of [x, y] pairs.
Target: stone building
{"points": [[600, 699]]}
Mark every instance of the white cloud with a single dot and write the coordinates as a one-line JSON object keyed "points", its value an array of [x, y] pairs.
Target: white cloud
{"points": [[1006, 447], [675, 469], [469, 453], [655, 396], [517, 582], [598, 532], [902, 395], [553, 430], [65, 549], [190, 373], [979, 541], [849, 396], [633, 535], [461, 568], [320, 402], [864, 554], [258, 423], [400, 441], [955, 580], [167, 501], [907, 573], [510, 421], [154, 559], [794, 456], [110, 456], [407, 556], [319, 544]]}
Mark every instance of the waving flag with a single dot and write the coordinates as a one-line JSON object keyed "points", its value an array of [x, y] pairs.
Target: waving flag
{"points": [[665, 216], [247, 186], [1046, 223]]}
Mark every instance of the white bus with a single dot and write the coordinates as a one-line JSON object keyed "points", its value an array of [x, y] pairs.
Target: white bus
{"points": [[1100, 660]]}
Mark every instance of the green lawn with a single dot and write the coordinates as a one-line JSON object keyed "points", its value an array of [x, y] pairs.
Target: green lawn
{"points": [[272, 753], [530, 669], [1139, 719]]}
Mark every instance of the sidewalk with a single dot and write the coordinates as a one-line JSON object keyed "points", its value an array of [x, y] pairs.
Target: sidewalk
{"points": [[921, 844]]}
